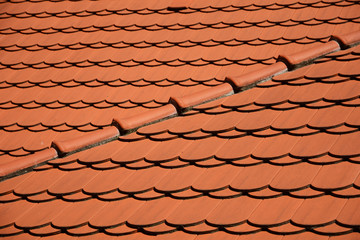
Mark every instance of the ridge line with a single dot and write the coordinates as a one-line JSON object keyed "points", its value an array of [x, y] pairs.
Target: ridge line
{"points": [[178, 105]]}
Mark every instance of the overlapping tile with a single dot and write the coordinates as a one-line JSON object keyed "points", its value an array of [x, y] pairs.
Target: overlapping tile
{"points": [[182, 178]]}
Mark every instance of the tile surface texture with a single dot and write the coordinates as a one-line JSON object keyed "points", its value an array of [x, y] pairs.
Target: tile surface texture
{"points": [[280, 160]]}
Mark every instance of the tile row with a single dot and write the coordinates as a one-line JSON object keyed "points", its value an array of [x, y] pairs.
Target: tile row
{"points": [[176, 26], [303, 126], [229, 150], [158, 44], [222, 122], [168, 75], [158, 168], [59, 9], [76, 182], [255, 36], [294, 89], [135, 63], [235, 118], [53, 105], [183, 80], [285, 17], [197, 216], [180, 235]]}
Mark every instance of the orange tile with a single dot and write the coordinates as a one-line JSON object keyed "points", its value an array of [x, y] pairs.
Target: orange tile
{"points": [[192, 211], [153, 212], [295, 177], [342, 174], [179, 179], [224, 214], [77, 213], [108, 216], [315, 211], [41, 214], [278, 211], [323, 143], [254, 177]]}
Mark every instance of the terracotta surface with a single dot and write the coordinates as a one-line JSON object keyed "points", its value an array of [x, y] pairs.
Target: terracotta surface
{"points": [[179, 120]]}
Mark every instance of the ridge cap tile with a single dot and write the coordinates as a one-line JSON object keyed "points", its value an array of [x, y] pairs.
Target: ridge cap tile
{"points": [[347, 40], [305, 57], [249, 80], [186, 102], [9, 168], [130, 124], [97, 137]]}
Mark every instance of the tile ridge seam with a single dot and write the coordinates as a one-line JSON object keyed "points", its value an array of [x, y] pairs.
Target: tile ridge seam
{"points": [[179, 105]]}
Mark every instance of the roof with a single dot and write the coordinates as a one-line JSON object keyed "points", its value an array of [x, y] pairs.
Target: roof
{"points": [[181, 120]]}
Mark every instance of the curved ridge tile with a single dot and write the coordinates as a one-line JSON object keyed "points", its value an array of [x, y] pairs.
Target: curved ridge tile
{"points": [[151, 116], [248, 80], [303, 58], [69, 146], [347, 40], [28, 161]]}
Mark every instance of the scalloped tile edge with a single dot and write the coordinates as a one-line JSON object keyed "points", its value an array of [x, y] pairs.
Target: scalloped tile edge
{"points": [[178, 105]]}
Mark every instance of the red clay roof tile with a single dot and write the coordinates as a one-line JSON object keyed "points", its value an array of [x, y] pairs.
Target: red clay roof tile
{"points": [[289, 141]]}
